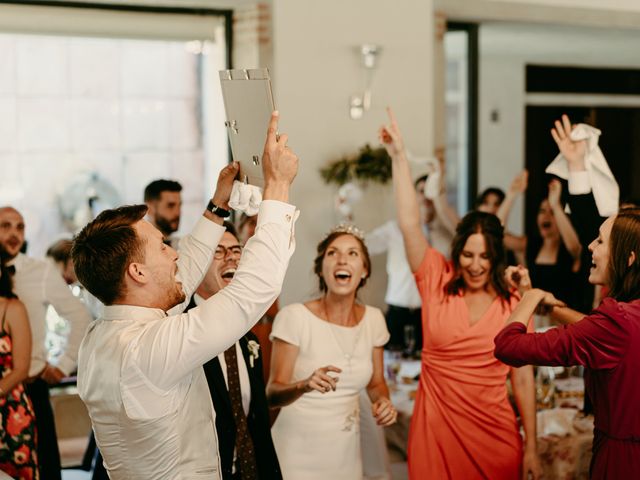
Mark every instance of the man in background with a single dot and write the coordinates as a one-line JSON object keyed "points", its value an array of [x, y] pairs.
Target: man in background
{"points": [[164, 202]]}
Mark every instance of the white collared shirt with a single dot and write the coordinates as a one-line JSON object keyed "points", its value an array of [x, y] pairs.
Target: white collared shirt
{"points": [[140, 371], [39, 284], [243, 373]]}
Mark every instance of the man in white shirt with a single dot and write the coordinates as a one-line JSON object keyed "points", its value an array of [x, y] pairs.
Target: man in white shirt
{"points": [[237, 385], [140, 371], [38, 284]]}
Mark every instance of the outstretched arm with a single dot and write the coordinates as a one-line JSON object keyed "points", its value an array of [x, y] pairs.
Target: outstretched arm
{"points": [[518, 187], [407, 210], [567, 232]]}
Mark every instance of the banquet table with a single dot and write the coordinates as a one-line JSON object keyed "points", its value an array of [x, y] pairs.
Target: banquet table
{"points": [[564, 438]]}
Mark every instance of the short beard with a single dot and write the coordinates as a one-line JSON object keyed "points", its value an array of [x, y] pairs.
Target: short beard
{"points": [[165, 226], [176, 299]]}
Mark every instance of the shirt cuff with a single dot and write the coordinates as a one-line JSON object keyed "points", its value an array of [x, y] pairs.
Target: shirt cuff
{"points": [[207, 232], [274, 211], [66, 365], [579, 183]]}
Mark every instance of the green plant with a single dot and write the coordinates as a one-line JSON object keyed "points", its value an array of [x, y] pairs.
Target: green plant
{"points": [[369, 164]]}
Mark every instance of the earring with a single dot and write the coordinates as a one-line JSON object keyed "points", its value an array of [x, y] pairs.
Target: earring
{"points": [[364, 275]]}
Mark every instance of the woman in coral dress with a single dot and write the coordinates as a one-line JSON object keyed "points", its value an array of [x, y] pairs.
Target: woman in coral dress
{"points": [[463, 426], [17, 421]]}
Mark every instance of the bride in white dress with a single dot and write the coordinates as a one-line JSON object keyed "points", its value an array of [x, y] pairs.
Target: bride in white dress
{"points": [[324, 353]]}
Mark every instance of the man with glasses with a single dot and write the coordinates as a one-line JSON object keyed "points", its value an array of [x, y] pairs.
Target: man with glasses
{"points": [[236, 383]]}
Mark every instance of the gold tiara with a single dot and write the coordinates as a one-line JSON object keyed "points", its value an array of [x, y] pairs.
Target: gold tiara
{"points": [[349, 228]]}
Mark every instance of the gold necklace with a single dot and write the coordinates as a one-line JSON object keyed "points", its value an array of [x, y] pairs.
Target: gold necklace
{"points": [[347, 355]]}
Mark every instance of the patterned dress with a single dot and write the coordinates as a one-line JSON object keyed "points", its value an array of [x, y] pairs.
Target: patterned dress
{"points": [[18, 423]]}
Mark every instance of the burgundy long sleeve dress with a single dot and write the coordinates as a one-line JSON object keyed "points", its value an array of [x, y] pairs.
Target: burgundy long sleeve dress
{"points": [[607, 344]]}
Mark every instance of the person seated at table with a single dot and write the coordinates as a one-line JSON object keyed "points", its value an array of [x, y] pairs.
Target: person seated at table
{"points": [[606, 342], [324, 353], [463, 425]]}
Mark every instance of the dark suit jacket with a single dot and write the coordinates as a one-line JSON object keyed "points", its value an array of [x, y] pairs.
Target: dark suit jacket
{"points": [[257, 419]]}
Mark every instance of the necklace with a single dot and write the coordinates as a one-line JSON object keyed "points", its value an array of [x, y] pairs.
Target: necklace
{"points": [[348, 354]]}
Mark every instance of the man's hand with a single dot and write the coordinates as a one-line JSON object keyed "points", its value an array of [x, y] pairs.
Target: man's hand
{"points": [[573, 151], [279, 163], [391, 137], [52, 375], [225, 183]]}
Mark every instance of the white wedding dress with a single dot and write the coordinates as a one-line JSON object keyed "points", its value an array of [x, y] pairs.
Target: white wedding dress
{"points": [[318, 435]]}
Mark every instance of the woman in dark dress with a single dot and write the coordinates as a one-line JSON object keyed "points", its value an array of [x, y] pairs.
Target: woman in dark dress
{"points": [[553, 256], [606, 342]]}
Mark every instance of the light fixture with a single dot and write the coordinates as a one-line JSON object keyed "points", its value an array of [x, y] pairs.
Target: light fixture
{"points": [[361, 102]]}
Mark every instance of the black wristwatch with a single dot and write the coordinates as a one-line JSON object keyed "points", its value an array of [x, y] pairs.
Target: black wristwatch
{"points": [[216, 210]]}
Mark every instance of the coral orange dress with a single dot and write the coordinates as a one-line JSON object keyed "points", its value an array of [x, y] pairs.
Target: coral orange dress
{"points": [[463, 426]]}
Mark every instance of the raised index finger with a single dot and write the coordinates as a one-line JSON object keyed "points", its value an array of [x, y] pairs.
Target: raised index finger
{"points": [[273, 127], [392, 117]]}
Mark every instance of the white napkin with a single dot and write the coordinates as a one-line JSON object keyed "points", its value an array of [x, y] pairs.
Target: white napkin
{"points": [[245, 198], [605, 188], [432, 185]]}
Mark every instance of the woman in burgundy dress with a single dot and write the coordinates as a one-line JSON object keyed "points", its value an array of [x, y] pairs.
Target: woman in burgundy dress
{"points": [[606, 342]]}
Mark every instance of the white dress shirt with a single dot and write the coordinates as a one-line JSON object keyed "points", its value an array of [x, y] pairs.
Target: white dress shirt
{"points": [[243, 373], [39, 284], [140, 371]]}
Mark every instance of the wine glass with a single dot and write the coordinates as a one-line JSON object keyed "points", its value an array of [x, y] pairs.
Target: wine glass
{"points": [[410, 339]]}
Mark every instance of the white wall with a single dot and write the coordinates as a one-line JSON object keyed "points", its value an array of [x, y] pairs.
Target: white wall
{"points": [[316, 69], [505, 50]]}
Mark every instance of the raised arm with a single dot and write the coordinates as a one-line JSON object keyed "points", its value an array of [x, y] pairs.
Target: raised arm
{"points": [[567, 232], [518, 187], [407, 210], [437, 193], [584, 210], [167, 351]]}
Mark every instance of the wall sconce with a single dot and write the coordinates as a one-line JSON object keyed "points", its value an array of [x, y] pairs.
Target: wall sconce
{"points": [[360, 102]]}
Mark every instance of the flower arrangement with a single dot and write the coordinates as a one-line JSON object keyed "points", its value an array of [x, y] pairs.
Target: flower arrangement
{"points": [[369, 164]]}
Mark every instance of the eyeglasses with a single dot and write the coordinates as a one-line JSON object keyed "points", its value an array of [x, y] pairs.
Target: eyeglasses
{"points": [[222, 252]]}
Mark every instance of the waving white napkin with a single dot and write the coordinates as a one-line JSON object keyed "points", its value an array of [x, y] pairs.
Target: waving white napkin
{"points": [[432, 185], [245, 198], [605, 188]]}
